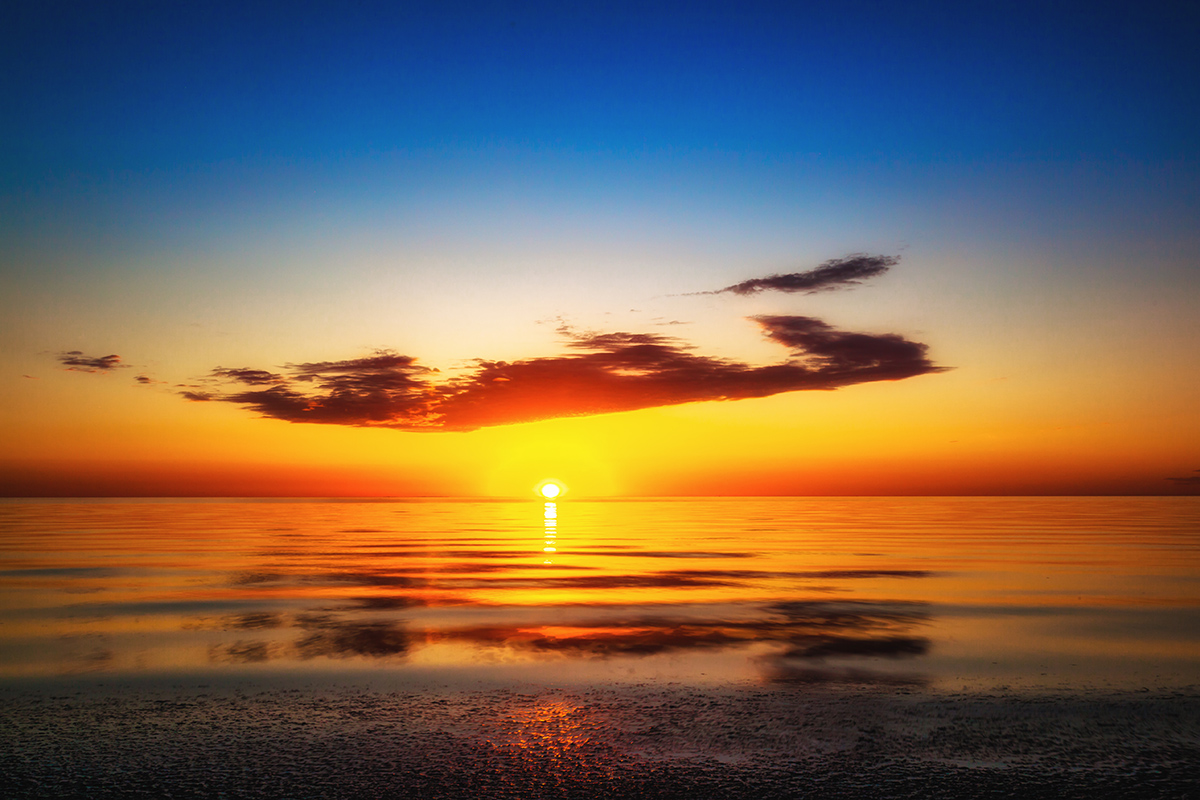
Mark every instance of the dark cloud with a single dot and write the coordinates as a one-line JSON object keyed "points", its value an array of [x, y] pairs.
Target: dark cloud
{"points": [[1187, 480], [143, 379], [253, 377], [601, 373], [349, 374], [840, 358], [383, 390], [75, 361], [836, 273]]}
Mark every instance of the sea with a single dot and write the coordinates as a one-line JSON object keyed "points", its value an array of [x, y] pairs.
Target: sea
{"points": [[1021, 595]]}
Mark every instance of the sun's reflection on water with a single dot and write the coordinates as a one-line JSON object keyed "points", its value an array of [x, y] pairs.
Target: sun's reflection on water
{"points": [[550, 529]]}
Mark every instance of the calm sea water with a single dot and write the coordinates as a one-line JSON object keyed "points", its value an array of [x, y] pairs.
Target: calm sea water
{"points": [[1023, 593]]}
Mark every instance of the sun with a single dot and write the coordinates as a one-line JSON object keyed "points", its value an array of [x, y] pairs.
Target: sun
{"points": [[550, 490]]}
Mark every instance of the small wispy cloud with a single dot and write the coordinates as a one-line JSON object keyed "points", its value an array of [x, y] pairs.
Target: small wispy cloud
{"points": [[254, 377], [76, 361], [1187, 480], [837, 273]]}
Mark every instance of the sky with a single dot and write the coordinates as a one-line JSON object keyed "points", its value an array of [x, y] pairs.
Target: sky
{"points": [[457, 249]]}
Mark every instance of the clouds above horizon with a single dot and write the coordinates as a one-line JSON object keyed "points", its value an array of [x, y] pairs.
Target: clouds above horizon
{"points": [[598, 372], [601, 373]]}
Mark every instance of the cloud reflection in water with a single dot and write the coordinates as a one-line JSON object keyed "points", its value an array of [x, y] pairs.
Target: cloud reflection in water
{"points": [[796, 639], [791, 590]]}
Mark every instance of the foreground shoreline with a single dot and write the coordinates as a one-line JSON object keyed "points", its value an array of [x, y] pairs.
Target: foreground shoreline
{"points": [[657, 741]]}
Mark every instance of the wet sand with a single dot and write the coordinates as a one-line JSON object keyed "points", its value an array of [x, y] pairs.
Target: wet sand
{"points": [[652, 741]]}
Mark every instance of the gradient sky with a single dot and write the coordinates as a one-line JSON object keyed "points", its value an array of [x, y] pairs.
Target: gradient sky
{"points": [[459, 248]]}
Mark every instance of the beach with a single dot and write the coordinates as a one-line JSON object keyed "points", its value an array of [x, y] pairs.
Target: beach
{"points": [[843, 741]]}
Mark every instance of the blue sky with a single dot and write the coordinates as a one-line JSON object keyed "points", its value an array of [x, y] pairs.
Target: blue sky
{"points": [[149, 120], [98, 89]]}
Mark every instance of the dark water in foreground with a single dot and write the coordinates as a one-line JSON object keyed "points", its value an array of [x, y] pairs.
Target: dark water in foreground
{"points": [[789, 648], [1028, 594]]}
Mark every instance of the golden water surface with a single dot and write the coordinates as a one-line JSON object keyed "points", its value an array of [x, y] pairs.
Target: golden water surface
{"points": [[952, 592]]}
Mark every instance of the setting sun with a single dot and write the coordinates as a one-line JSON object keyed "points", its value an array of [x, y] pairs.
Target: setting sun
{"points": [[550, 490]]}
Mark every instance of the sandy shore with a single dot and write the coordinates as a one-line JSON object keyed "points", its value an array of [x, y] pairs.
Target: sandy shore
{"points": [[616, 741]]}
